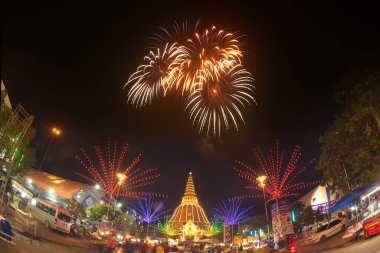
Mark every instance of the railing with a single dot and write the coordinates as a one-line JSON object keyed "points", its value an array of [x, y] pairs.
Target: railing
{"points": [[4, 237], [24, 222]]}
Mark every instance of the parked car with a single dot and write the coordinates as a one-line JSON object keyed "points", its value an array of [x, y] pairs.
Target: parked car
{"points": [[51, 215], [371, 226], [327, 230]]}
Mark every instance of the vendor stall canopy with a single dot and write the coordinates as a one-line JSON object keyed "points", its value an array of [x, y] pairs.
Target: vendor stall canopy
{"points": [[354, 196], [64, 188]]}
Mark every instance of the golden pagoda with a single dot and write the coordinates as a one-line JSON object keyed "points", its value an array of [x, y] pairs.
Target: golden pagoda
{"points": [[189, 215]]}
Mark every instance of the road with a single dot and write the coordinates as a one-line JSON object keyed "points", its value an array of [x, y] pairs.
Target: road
{"points": [[338, 245], [371, 245], [26, 245]]}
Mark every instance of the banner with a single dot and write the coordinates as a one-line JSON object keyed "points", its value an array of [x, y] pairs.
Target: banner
{"points": [[227, 233], [281, 220]]}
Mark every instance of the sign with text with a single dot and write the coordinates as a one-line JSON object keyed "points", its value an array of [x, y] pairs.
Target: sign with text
{"points": [[227, 233]]}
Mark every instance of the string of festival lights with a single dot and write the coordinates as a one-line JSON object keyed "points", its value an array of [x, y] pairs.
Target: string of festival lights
{"points": [[114, 177], [232, 212], [205, 67], [281, 181]]}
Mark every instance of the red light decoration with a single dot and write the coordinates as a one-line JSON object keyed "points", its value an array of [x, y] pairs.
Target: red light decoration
{"points": [[116, 178], [281, 181]]}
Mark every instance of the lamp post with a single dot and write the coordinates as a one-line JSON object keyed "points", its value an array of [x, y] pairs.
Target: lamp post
{"points": [[261, 181], [56, 132], [121, 178]]}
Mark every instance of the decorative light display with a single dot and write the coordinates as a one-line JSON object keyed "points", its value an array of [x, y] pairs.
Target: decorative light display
{"points": [[114, 177], [214, 228], [232, 212], [189, 209], [281, 181], [168, 229], [148, 210], [205, 67]]}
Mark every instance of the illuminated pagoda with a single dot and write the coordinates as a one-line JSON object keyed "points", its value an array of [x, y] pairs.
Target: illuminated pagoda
{"points": [[189, 216]]}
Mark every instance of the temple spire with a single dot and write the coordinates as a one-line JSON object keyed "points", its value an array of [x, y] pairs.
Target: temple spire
{"points": [[190, 190], [190, 197]]}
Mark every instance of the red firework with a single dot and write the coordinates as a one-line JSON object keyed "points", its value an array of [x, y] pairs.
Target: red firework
{"points": [[281, 181], [116, 178]]}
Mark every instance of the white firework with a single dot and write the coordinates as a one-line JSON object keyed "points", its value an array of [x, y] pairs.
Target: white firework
{"points": [[149, 81], [218, 103]]}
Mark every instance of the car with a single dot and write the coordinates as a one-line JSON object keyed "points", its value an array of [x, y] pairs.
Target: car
{"points": [[371, 226], [51, 215], [328, 230]]}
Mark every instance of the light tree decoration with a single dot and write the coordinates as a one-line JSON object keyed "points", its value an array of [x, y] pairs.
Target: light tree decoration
{"points": [[166, 228], [148, 210], [280, 181], [115, 177], [231, 212], [214, 228]]}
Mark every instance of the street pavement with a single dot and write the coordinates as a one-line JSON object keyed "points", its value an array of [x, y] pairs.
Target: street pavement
{"points": [[371, 245], [336, 244], [27, 245]]}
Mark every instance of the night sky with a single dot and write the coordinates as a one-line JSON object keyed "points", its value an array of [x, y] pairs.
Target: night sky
{"points": [[67, 64]]}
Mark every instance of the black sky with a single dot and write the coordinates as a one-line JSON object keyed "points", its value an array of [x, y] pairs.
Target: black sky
{"points": [[67, 64]]}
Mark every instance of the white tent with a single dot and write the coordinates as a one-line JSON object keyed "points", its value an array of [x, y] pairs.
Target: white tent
{"points": [[318, 196], [7, 101]]}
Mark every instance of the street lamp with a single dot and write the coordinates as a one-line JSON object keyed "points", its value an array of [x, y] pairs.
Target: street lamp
{"points": [[55, 133], [121, 178], [261, 182]]}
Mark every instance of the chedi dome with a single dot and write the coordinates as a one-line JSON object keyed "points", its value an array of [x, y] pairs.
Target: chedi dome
{"points": [[189, 209]]}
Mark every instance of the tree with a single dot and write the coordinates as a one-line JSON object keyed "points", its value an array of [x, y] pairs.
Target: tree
{"points": [[97, 213], [350, 154], [124, 222], [75, 208], [306, 215]]}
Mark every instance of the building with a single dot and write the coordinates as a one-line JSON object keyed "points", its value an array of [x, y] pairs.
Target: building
{"points": [[189, 216], [56, 189]]}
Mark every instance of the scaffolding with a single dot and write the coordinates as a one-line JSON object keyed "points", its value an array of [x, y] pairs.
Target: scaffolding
{"points": [[11, 136], [13, 132]]}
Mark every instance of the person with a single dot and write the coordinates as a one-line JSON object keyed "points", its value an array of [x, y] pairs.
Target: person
{"points": [[174, 249], [128, 246], [143, 247], [6, 228], [16, 201], [166, 248], [111, 243], [240, 248], [160, 248]]}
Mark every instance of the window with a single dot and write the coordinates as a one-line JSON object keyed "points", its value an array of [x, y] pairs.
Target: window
{"points": [[322, 228], [334, 223], [45, 208], [63, 217]]}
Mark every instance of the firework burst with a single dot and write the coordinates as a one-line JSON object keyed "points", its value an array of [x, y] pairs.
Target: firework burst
{"points": [[116, 178], [281, 181], [221, 102], [210, 55], [148, 82], [203, 67]]}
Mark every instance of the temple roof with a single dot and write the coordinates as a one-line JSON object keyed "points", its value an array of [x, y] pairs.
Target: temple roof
{"points": [[189, 209]]}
